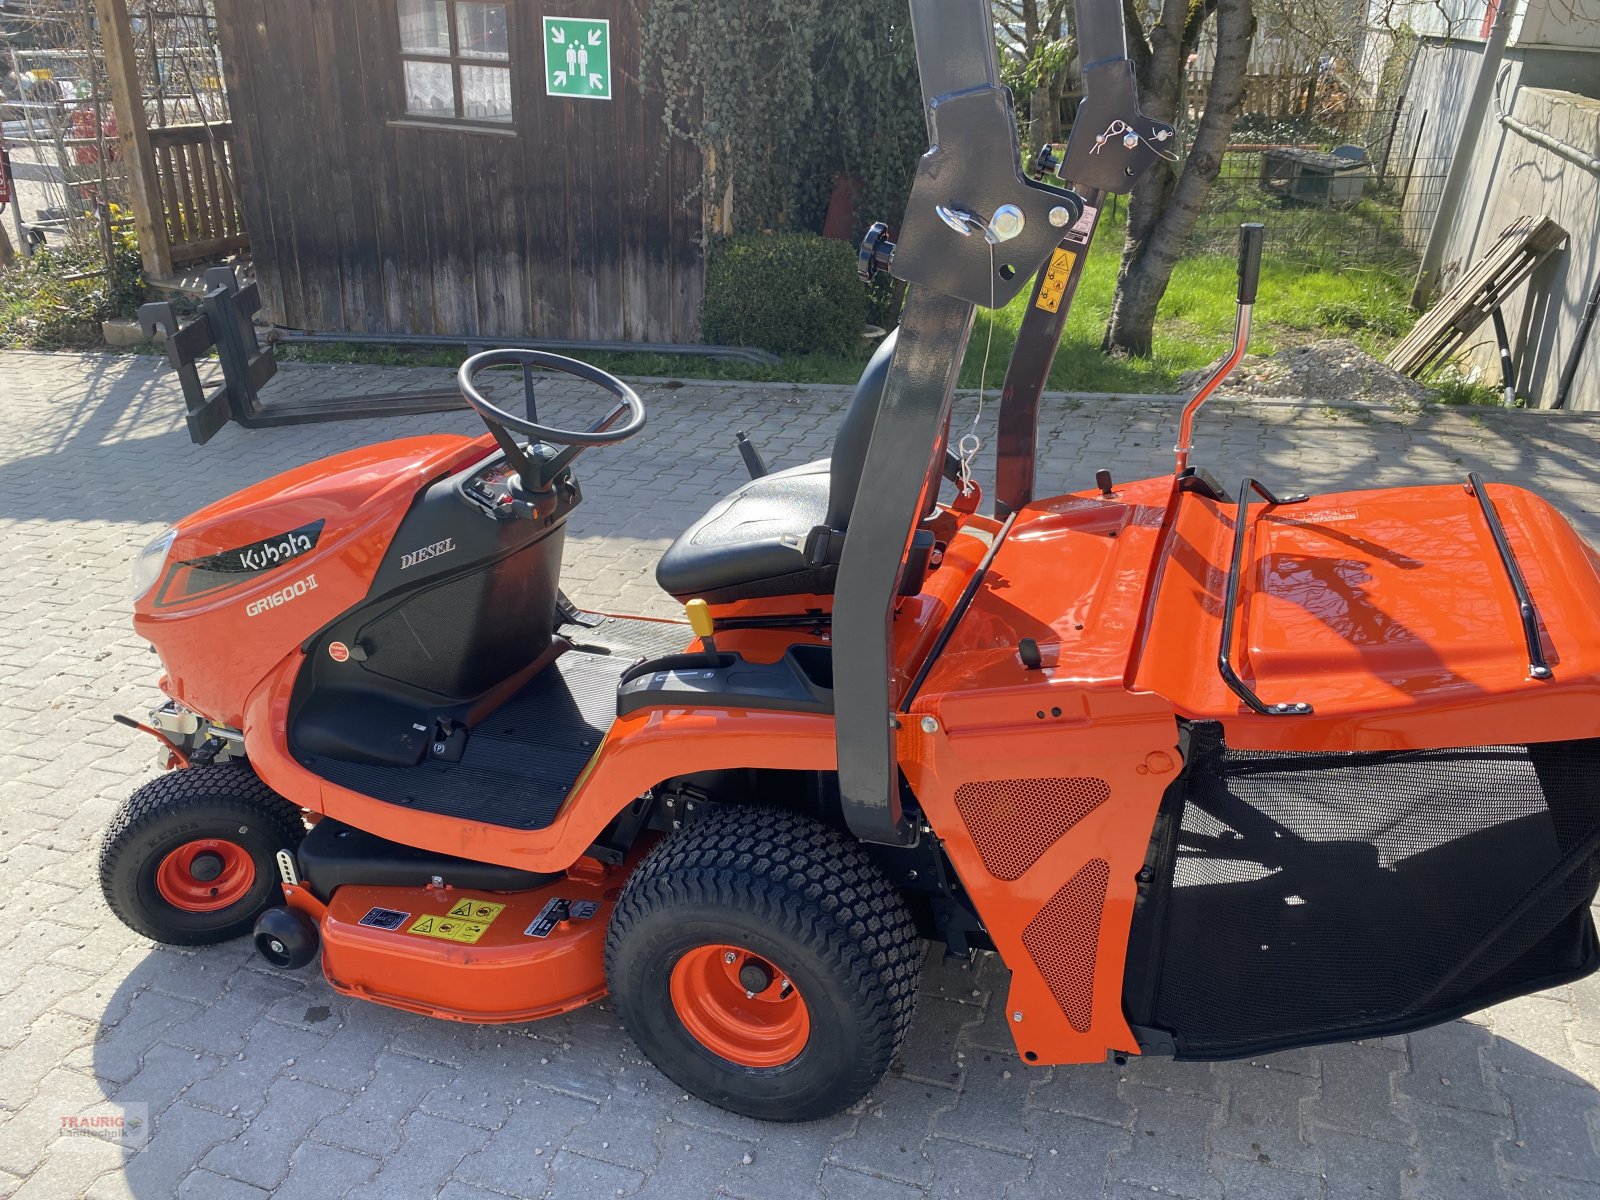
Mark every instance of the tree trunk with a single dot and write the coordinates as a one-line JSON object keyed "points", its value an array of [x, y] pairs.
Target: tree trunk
{"points": [[1164, 207], [7, 255], [1030, 47]]}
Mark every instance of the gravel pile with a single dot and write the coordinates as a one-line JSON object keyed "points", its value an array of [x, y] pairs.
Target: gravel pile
{"points": [[1328, 370]]}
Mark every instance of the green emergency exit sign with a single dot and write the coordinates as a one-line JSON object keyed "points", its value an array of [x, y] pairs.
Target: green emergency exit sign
{"points": [[577, 57]]}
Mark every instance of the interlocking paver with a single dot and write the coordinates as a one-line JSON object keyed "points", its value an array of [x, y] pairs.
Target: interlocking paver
{"points": [[260, 1155], [372, 1123], [1358, 1168], [1357, 1091], [1263, 1122], [1461, 1162], [1447, 1068], [574, 1175], [1168, 1148], [1554, 1122], [965, 1172], [318, 1172], [516, 1158], [1071, 1155], [841, 1183], [388, 1104]]}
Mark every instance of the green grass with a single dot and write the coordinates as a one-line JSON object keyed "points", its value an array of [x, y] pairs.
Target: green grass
{"points": [[1452, 387]]}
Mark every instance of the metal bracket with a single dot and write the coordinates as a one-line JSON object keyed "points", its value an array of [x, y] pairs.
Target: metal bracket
{"points": [[971, 174], [1230, 605], [286, 868], [1113, 143]]}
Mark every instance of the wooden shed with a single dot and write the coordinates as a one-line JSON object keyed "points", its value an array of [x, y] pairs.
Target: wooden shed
{"points": [[460, 167]]}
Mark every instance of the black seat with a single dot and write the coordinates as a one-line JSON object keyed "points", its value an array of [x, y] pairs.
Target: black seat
{"points": [[752, 542]]}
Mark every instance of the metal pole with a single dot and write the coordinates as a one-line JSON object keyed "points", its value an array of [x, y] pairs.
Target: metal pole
{"points": [[1455, 183], [1037, 341]]}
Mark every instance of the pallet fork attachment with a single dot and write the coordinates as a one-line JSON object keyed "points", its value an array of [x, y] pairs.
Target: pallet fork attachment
{"points": [[225, 324]]}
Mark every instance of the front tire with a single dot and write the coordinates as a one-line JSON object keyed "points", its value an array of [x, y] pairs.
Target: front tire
{"points": [[190, 858], [762, 962]]}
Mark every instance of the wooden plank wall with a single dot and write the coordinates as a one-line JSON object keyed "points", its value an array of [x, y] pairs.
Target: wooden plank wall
{"points": [[572, 224]]}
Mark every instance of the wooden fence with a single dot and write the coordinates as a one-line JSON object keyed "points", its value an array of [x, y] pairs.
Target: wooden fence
{"points": [[194, 170]]}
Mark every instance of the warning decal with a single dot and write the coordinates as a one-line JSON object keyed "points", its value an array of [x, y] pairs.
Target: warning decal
{"points": [[1054, 284], [384, 918], [449, 929], [476, 910]]}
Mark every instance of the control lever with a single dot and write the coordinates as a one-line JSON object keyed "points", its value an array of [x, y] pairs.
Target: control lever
{"points": [[753, 461], [1251, 235], [699, 614]]}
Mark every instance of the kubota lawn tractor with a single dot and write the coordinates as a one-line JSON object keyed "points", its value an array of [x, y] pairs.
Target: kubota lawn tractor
{"points": [[1213, 776]]}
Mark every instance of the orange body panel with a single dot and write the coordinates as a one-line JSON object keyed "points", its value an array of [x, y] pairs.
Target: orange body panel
{"points": [[1028, 746], [215, 646], [1022, 774], [638, 752], [507, 974], [1389, 612]]}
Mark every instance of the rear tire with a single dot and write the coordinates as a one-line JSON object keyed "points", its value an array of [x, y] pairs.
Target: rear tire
{"points": [[776, 897], [191, 857]]}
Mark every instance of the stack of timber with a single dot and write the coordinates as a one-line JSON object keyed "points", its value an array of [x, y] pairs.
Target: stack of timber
{"points": [[1482, 289]]}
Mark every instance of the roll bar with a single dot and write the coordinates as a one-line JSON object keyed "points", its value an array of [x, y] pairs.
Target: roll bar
{"points": [[975, 231]]}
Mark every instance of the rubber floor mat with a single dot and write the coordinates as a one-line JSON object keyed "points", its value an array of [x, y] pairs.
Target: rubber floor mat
{"points": [[522, 760]]}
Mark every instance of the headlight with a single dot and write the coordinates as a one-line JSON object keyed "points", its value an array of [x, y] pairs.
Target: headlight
{"points": [[147, 567]]}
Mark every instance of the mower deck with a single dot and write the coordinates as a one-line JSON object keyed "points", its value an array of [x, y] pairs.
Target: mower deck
{"points": [[522, 760]]}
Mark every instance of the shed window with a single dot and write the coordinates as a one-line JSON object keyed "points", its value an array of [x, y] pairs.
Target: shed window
{"points": [[456, 57]]}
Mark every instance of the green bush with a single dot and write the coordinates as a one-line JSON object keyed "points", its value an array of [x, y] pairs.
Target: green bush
{"points": [[791, 293]]}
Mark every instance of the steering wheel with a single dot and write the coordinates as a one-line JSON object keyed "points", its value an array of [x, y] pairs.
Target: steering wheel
{"points": [[601, 433]]}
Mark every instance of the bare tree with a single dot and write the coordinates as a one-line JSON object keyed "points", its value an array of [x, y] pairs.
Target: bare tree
{"points": [[1167, 202]]}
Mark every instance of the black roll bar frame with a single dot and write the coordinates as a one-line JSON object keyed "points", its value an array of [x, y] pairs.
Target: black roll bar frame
{"points": [[976, 230]]}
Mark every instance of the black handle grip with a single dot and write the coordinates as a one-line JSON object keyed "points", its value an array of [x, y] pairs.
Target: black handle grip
{"points": [[1251, 235]]}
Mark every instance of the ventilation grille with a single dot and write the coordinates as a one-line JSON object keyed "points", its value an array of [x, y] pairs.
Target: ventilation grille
{"points": [[1064, 941], [1014, 821]]}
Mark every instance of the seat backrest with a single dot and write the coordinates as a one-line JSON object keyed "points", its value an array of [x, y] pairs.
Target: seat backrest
{"points": [[855, 433]]}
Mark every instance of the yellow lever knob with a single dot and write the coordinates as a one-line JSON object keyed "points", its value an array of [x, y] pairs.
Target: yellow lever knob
{"points": [[699, 614]]}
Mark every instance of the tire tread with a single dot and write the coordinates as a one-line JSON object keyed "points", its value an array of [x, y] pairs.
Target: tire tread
{"points": [[812, 882], [182, 791]]}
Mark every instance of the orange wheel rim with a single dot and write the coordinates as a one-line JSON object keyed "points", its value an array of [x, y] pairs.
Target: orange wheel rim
{"points": [[206, 875], [740, 1006]]}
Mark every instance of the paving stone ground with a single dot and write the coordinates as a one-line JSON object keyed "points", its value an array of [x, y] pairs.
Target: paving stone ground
{"points": [[256, 1083]]}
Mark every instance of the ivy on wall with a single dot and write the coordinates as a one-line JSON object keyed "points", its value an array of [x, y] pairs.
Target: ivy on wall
{"points": [[785, 98]]}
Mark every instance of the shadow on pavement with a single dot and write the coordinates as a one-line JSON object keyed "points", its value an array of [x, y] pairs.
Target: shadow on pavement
{"points": [[256, 1077]]}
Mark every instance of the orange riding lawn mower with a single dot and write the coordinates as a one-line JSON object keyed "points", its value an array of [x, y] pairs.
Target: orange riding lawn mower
{"points": [[1215, 773]]}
